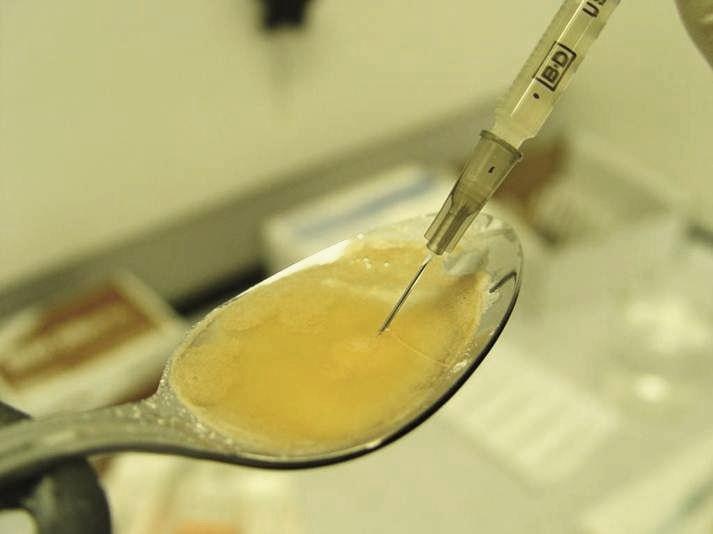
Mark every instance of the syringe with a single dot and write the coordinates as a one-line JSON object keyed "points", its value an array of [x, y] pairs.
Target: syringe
{"points": [[519, 116]]}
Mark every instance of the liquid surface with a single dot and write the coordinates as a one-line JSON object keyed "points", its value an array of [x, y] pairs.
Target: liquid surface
{"points": [[296, 365]]}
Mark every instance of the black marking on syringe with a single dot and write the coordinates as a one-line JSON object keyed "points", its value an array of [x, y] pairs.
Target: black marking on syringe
{"points": [[591, 9], [500, 283], [555, 65]]}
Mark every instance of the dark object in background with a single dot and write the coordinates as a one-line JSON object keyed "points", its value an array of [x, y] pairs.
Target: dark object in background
{"points": [[279, 13], [67, 499]]}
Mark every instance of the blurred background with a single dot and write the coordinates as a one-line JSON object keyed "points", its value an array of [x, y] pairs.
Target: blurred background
{"points": [[158, 157]]}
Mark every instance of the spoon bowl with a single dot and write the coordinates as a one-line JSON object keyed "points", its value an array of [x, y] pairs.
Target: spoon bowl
{"points": [[164, 423]]}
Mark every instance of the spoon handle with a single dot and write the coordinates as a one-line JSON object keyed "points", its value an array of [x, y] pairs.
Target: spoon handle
{"points": [[30, 446]]}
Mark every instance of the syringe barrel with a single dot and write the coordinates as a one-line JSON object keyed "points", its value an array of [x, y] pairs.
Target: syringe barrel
{"points": [[490, 163], [550, 68], [520, 115]]}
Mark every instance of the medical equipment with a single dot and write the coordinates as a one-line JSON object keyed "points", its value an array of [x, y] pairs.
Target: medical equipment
{"points": [[166, 423], [519, 116]]}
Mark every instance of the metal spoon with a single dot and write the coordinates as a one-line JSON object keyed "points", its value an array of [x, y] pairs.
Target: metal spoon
{"points": [[163, 424]]}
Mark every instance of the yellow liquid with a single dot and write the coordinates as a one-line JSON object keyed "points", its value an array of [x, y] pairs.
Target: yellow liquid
{"points": [[296, 365]]}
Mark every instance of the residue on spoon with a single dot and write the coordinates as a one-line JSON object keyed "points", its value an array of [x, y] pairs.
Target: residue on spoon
{"points": [[296, 365]]}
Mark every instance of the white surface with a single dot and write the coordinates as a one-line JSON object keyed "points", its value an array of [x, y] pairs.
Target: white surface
{"points": [[534, 421], [150, 493], [433, 480], [674, 499], [121, 115]]}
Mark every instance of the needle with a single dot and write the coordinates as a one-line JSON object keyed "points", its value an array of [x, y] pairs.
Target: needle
{"points": [[405, 294]]}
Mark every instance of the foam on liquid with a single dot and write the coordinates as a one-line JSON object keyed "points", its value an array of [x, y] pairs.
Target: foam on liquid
{"points": [[296, 365]]}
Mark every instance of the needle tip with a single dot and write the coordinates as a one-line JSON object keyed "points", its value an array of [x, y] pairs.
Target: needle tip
{"points": [[405, 294]]}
